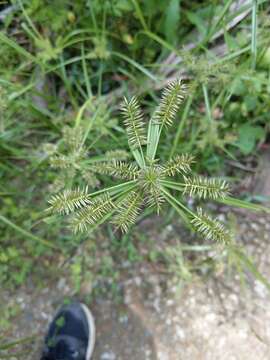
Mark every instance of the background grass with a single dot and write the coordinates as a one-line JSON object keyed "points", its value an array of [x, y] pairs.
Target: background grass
{"points": [[64, 64]]}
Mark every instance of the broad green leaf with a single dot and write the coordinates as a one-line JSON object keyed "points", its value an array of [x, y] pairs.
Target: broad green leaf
{"points": [[124, 6], [251, 102], [248, 135]]}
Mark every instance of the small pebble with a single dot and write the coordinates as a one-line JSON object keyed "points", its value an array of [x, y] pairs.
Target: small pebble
{"points": [[108, 355]]}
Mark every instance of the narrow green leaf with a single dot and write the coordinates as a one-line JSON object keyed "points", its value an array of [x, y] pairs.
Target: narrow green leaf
{"points": [[135, 64], [20, 50], [251, 266], [152, 139], [27, 234], [230, 201]]}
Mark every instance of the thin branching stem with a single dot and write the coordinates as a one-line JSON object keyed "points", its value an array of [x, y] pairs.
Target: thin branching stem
{"points": [[27, 234], [254, 34], [114, 189], [182, 206], [173, 185], [207, 104], [181, 125]]}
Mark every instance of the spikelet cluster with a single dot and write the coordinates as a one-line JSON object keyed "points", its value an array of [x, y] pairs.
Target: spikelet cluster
{"points": [[73, 137], [116, 155], [133, 120], [60, 162], [69, 201], [203, 187], [211, 228], [90, 178], [149, 181], [128, 210], [171, 100], [92, 213], [179, 164], [117, 169]]}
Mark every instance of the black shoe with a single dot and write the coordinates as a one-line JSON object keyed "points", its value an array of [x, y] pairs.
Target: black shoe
{"points": [[71, 334]]}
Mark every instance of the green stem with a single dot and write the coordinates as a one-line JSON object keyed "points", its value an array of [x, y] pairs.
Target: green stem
{"points": [[113, 189], [28, 19], [117, 199], [139, 157], [173, 185], [135, 64], [214, 28], [140, 14], [181, 125], [160, 41], [81, 111], [230, 201], [27, 233], [254, 34], [90, 125], [157, 140], [85, 73], [207, 104], [152, 139], [182, 206]]}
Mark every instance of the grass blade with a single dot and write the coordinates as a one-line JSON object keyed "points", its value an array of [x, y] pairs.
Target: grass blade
{"points": [[207, 104], [152, 139], [85, 73], [136, 65], [27, 233], [19, 49], [254, 34], [140, 14], [243, 204], [181, 125], [248, 263]]}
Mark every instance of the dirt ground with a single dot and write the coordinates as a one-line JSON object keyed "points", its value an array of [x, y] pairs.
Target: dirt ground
{"points": [[217, 319]]}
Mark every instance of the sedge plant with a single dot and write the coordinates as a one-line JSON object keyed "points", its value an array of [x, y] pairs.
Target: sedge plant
{"points": [[144, 182]]}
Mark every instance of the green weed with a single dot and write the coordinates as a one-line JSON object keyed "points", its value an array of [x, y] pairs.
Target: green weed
{"points": [[62, 74], [147, 182]]}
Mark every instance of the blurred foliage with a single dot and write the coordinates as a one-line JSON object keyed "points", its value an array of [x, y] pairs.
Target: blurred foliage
{"points": [[63, 61]]}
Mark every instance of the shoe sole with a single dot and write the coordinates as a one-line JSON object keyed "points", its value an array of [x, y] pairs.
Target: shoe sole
{"points": [[92, 331]]}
